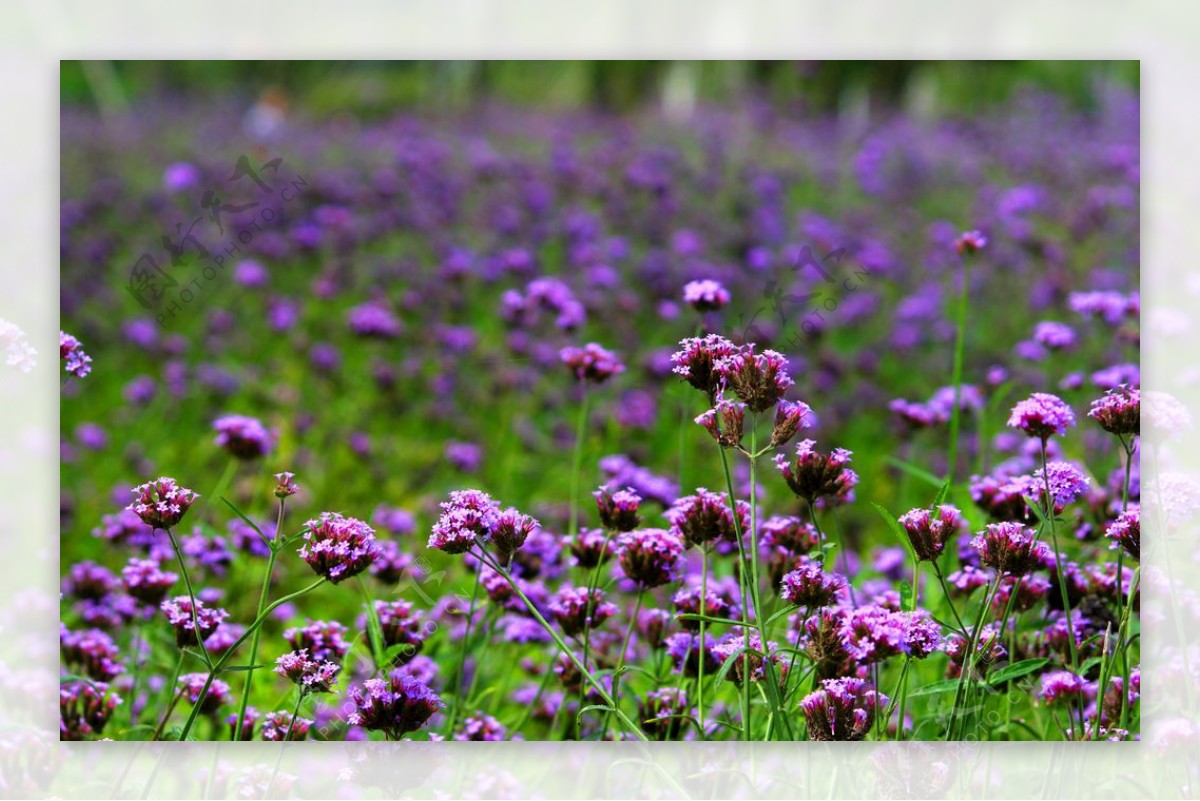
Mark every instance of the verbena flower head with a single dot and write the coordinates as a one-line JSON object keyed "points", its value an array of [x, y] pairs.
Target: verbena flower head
{"points": [[1042, 415], [481, 728], [928, 530], [724, 422], [324, 641], [373, 319], [92, 652], [84, 709], [843, 709], [706, 517], [1067, 484], [1126, 532], [790, 417], [695, 360], [178, 611], [249, 722], [575, 613], [1054, 336], [758, 379], [285, 486], [1119, 411], [810, 587], [662, 713], [162, 503], [685, 651], [338, 547], [70, 352], [592, 363], [1010, 548], [219, 694], [88, 581], [508, 530], [649, 557], [970, 242], [310, 675], [146, 581], [705, 295], [749, 664], [590, 547], [396, 705], [402, 629], [875, 633], [716, 604], [792, 534], [1061, 686], [278, 726], [618, 510], [465, 518], [244, 437], [813, 475]]}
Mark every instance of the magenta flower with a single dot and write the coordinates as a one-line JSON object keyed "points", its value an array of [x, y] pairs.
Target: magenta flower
{"points": [[790, 417], [84, 709], [338, 547], [970, 242], [663, 713], [572, 609], [813, 475], [843, 709], [374, 320], [758, 379], [591, 363], [928, 531], [179, 614], [704, 518], [324, 641], [618, 510], [400, 623], [649, 557], [308, 674], [70, 351], [1061, 686], [716, 604], [590, 547], [90, 651], [396, 705], [748, 664], [696, 358], [281, 725], [1126, 532], [810, 587], [724, 422], [219, 694], [481, 728], [146, 581], [244, 437], [508, 530], [1067, 484], [465, 518], [1010, 548], [162, 503], [285, 486], [705, 295], [1119, 411], [1042, 415]]}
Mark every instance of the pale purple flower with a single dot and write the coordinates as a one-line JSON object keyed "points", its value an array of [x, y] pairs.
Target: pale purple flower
{"points": [[244, 437], [70, 351], [843, 709], [591, 363], [1042, 415], [337, 547], [705, 295], [1119, 411], [310, 675], [161, 503]]}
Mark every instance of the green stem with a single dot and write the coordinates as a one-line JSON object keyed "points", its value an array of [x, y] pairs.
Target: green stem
{"points": [[1060, 559], [968, 667], [191, 596], [262, 603], [960, 338], [374, 629], [592, 585], [577, 461], [616, 690], [703, 612], [175, 696], [562, 646], [937, 570], [220, 663], [462, 656], [286, 739], [746, 595]]}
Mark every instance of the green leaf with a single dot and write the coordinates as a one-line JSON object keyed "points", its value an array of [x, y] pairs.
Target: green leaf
{"points": [[710, 619], [723, 673], [940, 498], [1016, 670], [913, 470], [939, 687], [908, 601]]}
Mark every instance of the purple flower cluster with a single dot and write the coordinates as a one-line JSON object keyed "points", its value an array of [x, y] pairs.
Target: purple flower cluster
{"points": [[179, 614], [592, 363], [928, 530], [649, 557], [70, 352], [310, 675], [244, 437], [843, 709], [395, 705], [706, 518], [338, 548], [161, 503], [1042, 416], [705, 295], [813, 475]]}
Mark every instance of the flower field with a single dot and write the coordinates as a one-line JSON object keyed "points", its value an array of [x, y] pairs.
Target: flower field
{"points": [[513, 423]]}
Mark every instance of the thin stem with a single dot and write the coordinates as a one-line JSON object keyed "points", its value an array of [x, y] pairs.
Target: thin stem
{"points": [[262, 603], [562, 646], [175, 695], [937, 570], [746, 596], [1060, 560], [959, 350], [592, 585], [220, 663], [135, 649], [192, 597], [462, 656], [286, 739], [968, 667], [577, 461], [616, 690], [703, 612]]}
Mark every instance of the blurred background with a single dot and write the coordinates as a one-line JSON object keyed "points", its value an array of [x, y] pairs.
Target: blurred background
{"points": [[377, 88]]}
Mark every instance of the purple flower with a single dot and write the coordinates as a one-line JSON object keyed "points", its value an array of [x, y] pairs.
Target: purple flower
{"points": [[396, 705], [285, 486], [874, 633], [244, 437], [705, 295], [374, 320], [70, 351], [662, 713], [716, 604], [338, 547], [250, 273], [733, 646], [392, 563], [813, 475], [180, 176], [249, 721], [1042, 415], [1119, 411], [704, 518], [928, 531], [649, 557], [401, 627], [91, 651], [465, 518], [508, 530], [573, 610], [481, 728], [310, 675], [1010, 548], [1067, 484], [219, 694], [1061, 686], [144, 580], [84, 709], [464, 456], [810, 587], [1126, 532], [843, 709], [179, 614], [758, 379], [161, 503], [323, 640], [792, 534], [696, 358], [618, 510], [685, 652], [1054, 336], [590, 547], [281, 725], [591, 363], [89, 581], [790, 417], [724, 422]]}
